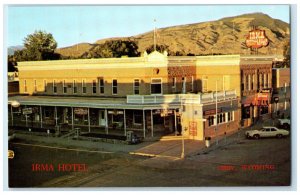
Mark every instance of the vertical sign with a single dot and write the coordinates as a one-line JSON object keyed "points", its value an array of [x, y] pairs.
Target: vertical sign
{"points": [[193, 128]]}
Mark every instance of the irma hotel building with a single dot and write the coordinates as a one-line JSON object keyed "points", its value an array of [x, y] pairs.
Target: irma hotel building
{"points": [[152, 95]]}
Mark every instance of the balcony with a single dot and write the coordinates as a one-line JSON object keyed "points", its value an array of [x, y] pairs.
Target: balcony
{"points": [[200, 98]]}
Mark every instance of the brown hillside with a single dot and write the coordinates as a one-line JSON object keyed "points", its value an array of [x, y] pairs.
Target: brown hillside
{"points": [[75, 50], [225, 36]]}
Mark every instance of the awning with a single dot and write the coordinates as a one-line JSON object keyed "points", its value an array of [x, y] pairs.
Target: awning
{"points": [[86, 102], [247, 101], [259, 99]]}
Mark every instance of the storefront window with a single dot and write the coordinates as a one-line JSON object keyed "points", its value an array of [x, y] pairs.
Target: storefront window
{"points": [[246, 112], [137, 118], [211, 120]]}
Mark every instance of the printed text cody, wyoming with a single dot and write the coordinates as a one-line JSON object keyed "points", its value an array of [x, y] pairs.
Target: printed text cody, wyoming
{"points": [[61, 167]]}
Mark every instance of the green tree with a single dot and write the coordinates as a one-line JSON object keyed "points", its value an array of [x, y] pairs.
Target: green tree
{"points": [[113, 48], [287, 54], [159, 48], [39, 46], [11, 62]]}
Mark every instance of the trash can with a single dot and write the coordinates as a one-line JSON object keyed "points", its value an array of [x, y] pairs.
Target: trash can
{"points": [[207, 141]]}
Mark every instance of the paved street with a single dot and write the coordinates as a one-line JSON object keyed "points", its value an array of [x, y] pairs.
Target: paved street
{"points": [[235, 161]]}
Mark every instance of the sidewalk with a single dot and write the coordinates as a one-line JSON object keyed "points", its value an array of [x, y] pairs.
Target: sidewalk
{"points": [[77, 144], [164, 148], [234, 138]]}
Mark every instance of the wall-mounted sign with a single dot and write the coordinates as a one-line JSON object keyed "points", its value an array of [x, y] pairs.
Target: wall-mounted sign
{"points": [[257, 39], [211, 112], [115, 112], [165, 112], [193, 128], [276, 99], [81, 111], [27, 111]]}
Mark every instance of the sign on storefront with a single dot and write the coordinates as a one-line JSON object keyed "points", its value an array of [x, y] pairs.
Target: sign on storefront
{"points": [[27, 111], [257, 39], [115, 112], [211, 112], [81, 111], [193, 128], [165, 112]]}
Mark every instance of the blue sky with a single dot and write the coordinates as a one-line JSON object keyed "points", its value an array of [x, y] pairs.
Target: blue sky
{"points": [[74, 24]]}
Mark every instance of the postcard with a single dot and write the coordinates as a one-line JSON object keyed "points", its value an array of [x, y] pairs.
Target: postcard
{"points": [[148, 96]]}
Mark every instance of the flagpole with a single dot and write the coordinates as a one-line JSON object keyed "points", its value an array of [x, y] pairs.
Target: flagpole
{"points": [[154, 35]]}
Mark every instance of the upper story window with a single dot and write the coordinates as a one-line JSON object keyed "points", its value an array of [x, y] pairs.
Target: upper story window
{"points": [[252, 82], [74, 87], [83, 86], [156, 86], [94, 86], [183, 85], [246, 87], [136, 86], [45, 86], [192, 83], [174, 84], [64, 87], [101, 85], [115, 86], [249, 82], [54, 87]]}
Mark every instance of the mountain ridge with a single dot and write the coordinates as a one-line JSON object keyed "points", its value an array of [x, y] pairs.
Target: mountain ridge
{"points": [[223, 36]]}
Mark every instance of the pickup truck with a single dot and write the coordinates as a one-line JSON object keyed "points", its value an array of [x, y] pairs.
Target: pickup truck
{"points": [[285, 123]]}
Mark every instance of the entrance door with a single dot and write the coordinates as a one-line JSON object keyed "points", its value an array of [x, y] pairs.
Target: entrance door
{"points": [[101, 118]]}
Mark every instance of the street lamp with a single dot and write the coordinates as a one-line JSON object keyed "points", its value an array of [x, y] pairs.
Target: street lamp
{"points": [[182, 130], [13, 104], [217, 141]]}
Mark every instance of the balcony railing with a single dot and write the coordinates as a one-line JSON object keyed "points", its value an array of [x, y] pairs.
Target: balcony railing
{"points": [[181, 98]]}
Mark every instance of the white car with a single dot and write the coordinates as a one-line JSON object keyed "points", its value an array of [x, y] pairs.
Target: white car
{"points": [[285, 123], [267, 132]]}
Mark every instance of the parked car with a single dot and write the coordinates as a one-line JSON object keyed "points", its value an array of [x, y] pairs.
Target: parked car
{"points": [[267, 132], [285, 123]]}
